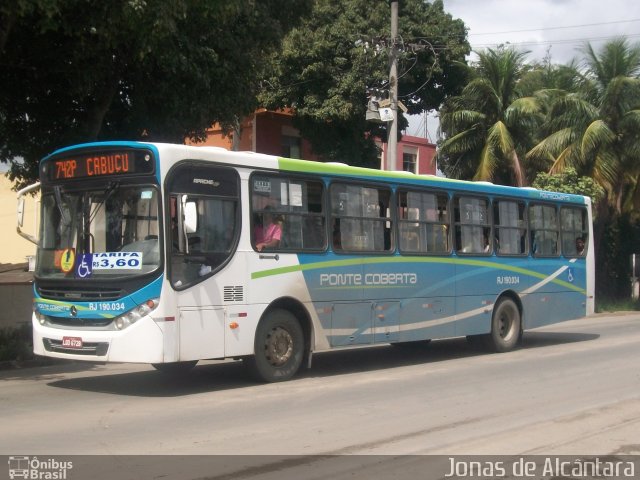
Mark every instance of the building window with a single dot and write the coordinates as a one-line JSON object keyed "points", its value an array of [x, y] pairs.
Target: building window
{"points": [[291, 146], [410, 161]]}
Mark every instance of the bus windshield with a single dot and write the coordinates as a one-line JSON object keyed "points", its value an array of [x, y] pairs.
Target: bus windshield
{"points": [[103, 232]]}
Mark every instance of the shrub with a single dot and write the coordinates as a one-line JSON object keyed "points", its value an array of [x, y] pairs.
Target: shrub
{"points": [[16, 343]]}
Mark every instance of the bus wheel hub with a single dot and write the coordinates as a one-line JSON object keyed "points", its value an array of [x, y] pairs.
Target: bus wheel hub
{"points": [[279, 346]]}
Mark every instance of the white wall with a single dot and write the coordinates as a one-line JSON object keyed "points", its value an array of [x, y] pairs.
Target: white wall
{"points": [[14, 248]]}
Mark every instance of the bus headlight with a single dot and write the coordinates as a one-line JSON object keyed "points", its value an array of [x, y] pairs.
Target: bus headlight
{"points": [[42, 319], [132, 316]]}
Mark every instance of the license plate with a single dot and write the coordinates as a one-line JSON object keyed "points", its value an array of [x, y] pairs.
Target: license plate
{"points": [[72, 342]]}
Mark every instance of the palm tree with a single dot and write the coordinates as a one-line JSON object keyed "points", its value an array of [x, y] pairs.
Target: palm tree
{"points": [[597, 129], [489, 126]]}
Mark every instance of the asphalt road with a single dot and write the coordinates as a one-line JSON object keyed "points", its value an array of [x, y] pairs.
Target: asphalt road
{"points": [[572, 388]]}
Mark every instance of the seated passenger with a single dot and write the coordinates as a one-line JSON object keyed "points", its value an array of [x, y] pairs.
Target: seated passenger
{"points": [[271, 233]]}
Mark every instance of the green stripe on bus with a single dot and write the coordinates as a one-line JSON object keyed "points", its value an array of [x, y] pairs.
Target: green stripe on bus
{"points": [[293, 165], [372, 261]]}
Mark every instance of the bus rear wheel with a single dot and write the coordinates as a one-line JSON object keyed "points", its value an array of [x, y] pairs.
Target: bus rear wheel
{"points": [[505, 326], [278, 347]]}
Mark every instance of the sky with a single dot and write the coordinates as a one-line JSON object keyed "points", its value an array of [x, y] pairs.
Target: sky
{"points": [[559, 26]]}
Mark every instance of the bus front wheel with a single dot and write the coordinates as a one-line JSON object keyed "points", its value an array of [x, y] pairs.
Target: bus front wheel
{"points": [[505, 326], [278, 347]]}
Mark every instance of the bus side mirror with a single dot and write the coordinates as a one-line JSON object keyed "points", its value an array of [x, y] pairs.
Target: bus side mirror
{"points": [[20, 212], [190, 217]]}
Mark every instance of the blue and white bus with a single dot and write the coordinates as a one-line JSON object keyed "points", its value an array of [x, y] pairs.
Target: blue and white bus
{"points": [[151, 253]]}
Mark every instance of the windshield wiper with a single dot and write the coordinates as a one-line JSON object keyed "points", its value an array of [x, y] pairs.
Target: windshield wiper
{"points": [[57, 192]]}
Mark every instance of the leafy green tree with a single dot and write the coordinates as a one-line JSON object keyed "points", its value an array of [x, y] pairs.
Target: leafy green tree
{"points": [[488, 128], [75, 71], [597, 129], [547, 76], [341, 50], [569, 181]]}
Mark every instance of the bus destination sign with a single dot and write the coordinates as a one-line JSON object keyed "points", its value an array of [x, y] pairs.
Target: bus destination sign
{"points": [[98, 164], [92, 166]]}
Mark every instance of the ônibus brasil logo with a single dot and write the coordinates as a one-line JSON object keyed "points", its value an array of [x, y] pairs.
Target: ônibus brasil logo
{"points": [[40, 469]]}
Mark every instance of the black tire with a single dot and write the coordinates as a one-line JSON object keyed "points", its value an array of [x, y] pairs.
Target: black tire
{"points": [[175, 368], [505, 326], [278, 347]]}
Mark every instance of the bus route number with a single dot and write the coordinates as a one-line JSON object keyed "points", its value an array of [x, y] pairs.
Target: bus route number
{"points": [[508, 280], [66, 169]]}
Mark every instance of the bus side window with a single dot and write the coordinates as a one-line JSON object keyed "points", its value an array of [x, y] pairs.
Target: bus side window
{"points": [[364, 215], [544, 230], [288, 213], [473, 228], [336, 235], [575, 233], [509, 227], [423, 220], [313, 232]]}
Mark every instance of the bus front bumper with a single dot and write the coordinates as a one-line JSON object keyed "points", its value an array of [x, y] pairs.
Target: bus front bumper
{"points": [[142, 342]]}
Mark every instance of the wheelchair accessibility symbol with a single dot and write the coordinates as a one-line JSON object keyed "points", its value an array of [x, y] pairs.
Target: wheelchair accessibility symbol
{"points": [[84, 265], [570, 275]]}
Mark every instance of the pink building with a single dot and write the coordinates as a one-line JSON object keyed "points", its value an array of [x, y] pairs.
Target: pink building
{"points": [[414, 154]]}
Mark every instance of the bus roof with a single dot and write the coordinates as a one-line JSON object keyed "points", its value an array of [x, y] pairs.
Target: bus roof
{"points": [[335, 169], [408, 178]]}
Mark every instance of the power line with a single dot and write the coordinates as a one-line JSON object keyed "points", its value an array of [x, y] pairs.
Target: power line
{"points": [[558, 28], [445, 38], [554, 42]]}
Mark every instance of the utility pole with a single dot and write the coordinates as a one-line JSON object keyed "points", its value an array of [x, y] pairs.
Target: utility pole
{"points": [[392, 139]]}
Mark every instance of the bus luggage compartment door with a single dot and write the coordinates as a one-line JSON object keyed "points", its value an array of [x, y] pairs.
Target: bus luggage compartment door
{"points": [[351, 324], [385, 321], [201, 333]]}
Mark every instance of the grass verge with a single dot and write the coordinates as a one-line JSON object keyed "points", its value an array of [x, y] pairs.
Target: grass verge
{"points": [[611, 305]]}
